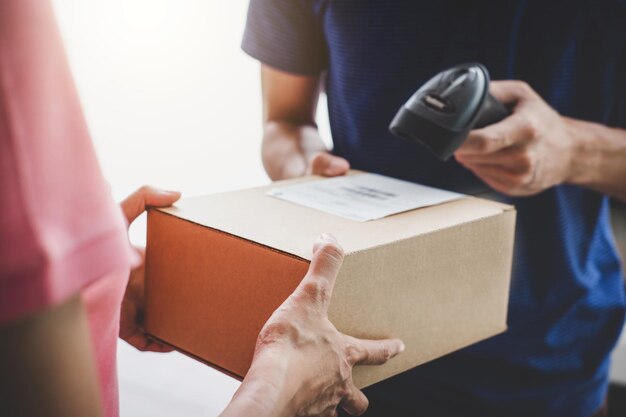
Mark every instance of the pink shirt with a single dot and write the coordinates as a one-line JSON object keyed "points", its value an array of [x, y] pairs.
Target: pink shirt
{"points": [[61, 234]]}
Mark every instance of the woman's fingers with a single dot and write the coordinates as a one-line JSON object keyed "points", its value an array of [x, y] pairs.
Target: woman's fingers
{"points": [[146, 196]]}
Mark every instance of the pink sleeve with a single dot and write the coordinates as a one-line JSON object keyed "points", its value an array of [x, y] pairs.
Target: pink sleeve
{"points": [[59, 227]]}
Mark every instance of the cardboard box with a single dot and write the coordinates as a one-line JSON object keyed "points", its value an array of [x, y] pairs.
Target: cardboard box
{"points": [[218, 266]]}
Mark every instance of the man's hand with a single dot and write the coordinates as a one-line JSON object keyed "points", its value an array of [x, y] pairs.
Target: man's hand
{"points": [[292, 146], [328, 165], [131, 320], [303, 365], [526, 153]]}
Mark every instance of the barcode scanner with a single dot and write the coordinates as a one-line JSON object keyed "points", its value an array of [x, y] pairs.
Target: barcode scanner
{"points": [[443, 111]]}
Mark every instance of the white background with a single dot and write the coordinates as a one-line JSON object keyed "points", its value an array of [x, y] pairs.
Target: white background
{"points": [[171, 101]]}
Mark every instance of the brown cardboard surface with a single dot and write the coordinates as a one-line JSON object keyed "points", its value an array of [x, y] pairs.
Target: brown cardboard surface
{"points": [[433, 292], [239, 213], [217, 267], [209, 283]]}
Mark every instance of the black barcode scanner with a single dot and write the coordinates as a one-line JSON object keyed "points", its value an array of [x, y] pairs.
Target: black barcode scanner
{"points": [[443, 111]]}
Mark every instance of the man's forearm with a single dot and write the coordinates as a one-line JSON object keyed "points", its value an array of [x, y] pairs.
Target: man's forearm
{"points": [[288, 148], [599, 158]]}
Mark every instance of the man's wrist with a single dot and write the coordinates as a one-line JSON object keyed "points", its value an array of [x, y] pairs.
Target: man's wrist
{"points": [[598, 157], [267, 390], [586, 151]]}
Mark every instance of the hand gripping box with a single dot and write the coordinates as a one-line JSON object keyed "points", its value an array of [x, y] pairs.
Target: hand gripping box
{"points": [[218, 266]]}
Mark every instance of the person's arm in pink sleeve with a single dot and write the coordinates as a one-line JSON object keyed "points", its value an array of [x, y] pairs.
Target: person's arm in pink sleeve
{"points": [[60, 230], [47, 359]]}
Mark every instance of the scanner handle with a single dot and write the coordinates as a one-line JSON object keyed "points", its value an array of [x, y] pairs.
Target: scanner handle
{"points": [[492, 111]]}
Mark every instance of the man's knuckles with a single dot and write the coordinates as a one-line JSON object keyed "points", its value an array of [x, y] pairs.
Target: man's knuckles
{"points": [[314, 290]]}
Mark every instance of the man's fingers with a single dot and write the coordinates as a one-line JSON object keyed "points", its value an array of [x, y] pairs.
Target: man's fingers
{"points": [[497, 177], [514, 159], [509, 92], [373, 352], [355, 402], [327, 258], [324, 163], [512, 131], [147, 196], [320, 279]]}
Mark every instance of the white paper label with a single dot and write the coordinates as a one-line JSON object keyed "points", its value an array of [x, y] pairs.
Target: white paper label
{"points": [[363, 197]]}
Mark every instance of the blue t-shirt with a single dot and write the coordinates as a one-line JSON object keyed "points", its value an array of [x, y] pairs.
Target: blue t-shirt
{"points": [[567, 298]]}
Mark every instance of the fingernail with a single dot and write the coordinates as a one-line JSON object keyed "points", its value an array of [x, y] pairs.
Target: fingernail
{"points": [[402, 347], [327, 237], [168, 192]]}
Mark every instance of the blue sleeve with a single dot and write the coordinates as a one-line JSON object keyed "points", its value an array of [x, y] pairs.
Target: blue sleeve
{"points": [[286, 35]]}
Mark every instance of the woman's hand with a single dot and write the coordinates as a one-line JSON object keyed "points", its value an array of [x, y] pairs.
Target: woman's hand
{"points": [[303, 365], [131, 319]]}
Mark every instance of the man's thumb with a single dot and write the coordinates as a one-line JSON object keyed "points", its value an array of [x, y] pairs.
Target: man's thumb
{"points": [[327, 258], [329, 165]]}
